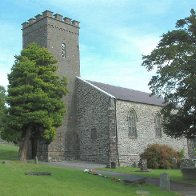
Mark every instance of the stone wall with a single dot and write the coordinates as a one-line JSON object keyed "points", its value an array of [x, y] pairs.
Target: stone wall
{"points": [[53, 32], [129, 149], [192, 147], [95, 122]]}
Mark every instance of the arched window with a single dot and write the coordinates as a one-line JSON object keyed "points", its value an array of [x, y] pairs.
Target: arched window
{"points": [[132, 119], [63, 50], [158, 125]]}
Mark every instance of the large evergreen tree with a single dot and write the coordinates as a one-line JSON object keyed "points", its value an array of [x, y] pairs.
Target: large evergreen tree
{"points": [[174, 60], [35, 106]]}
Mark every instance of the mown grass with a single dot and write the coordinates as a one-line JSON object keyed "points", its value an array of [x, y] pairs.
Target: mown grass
{"points": [[63, 181], [8, 152]]}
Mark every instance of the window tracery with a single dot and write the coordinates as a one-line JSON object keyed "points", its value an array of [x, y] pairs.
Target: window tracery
{"points": [[132, 119]]}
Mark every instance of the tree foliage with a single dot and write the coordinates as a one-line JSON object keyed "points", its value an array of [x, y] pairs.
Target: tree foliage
{"points": [[174, 60], [34, 98]]}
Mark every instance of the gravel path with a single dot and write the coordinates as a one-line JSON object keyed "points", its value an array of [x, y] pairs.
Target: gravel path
{"points": [[81, 165]]}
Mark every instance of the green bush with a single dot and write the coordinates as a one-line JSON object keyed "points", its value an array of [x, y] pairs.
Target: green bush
{"points": [[160, 156]]}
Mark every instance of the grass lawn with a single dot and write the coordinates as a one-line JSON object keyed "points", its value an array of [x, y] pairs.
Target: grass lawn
{"points": [[63, 181], [8, 152], [175, 174]]}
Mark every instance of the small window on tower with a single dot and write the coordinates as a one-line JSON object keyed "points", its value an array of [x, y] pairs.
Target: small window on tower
{"points": [[63, 47], [93, 133]]}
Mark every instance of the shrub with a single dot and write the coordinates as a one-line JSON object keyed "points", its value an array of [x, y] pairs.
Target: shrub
{"points": [[181, 154], [160, 156]]}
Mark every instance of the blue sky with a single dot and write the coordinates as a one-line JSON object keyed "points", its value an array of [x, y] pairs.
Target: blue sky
{"points": [[113, 35]]}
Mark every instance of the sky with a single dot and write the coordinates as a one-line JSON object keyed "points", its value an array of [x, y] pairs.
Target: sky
{"points": [[113, 34]]}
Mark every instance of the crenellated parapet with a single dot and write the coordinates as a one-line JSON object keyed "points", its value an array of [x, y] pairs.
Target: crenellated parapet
{"points": [[50, 14]]}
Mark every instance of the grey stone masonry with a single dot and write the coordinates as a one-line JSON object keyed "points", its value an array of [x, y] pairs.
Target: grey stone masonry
{"points": [[192, 148], [113, 149], [96, 111], [129, 149], [60, 37], [103, 123]]}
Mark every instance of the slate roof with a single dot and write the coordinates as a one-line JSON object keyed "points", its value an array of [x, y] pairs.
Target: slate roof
{"points": [[128, 94]]}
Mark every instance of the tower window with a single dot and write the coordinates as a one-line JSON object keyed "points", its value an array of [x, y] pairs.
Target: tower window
{"points": [[158, 125], [63, 50], [132, 118], [93, 133]]}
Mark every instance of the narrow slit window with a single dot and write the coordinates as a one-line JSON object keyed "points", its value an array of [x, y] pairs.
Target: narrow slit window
{"points": [[158, 125], [63, 48], [93, 133]]}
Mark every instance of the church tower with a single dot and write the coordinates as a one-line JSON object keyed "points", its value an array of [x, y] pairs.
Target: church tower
{"points": [[60, 36]]}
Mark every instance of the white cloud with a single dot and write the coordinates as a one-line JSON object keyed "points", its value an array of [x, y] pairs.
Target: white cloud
{"points": [[88, 4], [155, 7], [146, 43], [6, 59], [120, 72], [122, 66], [6, 62], [127, 40], [113, 38], [3, 80], [10, 44]]}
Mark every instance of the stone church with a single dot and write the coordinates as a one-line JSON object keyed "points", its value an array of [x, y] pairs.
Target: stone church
{"points": [[104, 123]]}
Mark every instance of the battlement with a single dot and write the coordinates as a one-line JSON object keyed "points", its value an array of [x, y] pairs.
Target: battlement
{"points": [[50, 14]]}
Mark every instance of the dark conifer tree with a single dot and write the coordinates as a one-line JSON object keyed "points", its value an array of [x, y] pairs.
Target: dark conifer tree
{"points": [[35, 106]]}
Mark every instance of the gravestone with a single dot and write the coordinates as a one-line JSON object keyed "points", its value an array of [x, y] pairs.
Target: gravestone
{"points": [[188, 169], [188, 163], [143, 164], [165, 181], [174, 162], [113, 165], [36, 160]]}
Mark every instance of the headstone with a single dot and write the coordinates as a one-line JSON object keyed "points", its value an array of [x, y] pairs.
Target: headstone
{"points": [[165, 181], [188, 163], [143, 164], [113, 165], [36, 160], [174, 162]]}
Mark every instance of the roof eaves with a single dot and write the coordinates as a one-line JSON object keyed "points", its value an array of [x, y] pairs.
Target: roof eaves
{"points": [[127, 100], [99, 89]]}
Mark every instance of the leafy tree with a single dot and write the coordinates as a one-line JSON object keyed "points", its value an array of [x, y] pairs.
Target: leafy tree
{"points": [[174, 60], [34, 98]]}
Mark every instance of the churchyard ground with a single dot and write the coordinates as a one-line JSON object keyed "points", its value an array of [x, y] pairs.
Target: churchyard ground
{"points": [[63, 181], [175, 174]]}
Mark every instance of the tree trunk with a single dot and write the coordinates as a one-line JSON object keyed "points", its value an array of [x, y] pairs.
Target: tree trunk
{"points": [[24, 146]]}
